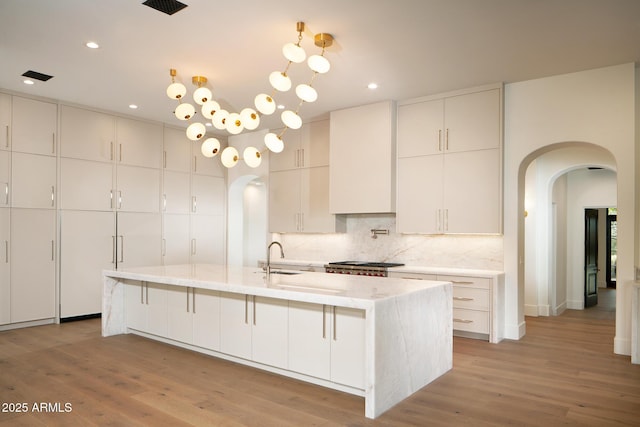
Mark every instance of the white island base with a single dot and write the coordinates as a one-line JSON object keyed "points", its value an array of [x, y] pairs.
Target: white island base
{"points": [[380, 338]]}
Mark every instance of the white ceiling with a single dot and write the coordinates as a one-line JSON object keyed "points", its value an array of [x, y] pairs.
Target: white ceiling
{"points": [[409, 47]]}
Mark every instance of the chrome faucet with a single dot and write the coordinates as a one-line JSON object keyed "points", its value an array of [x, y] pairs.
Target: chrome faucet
{"points": [[269, 255]]}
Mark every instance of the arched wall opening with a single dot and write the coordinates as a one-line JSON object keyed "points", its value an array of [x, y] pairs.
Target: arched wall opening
{"points": [[560, 181]]}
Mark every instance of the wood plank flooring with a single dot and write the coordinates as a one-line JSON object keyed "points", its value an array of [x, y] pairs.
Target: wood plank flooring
{"points": [[563, 372]]}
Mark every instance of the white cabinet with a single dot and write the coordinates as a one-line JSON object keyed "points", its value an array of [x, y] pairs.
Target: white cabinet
{"points": [[5, 178], [299, 183], [176, 192], [146, 307], [86, 134], [5, 122], [87, 246], [139, 143], [207, 195], [235, 322], [33, 260], [254, 328], [5, 266], [207, 239], [176, 241], [327, 342], [138, 189], [180, 302], [450, 163], [138, 240], [34, 126], [202, 165], [33, 181], [86, 185], [177, 150], [206, 318], [362, 159]]}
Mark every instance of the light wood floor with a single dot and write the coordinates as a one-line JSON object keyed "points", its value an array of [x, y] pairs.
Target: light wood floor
{"points": [[563, 372]]}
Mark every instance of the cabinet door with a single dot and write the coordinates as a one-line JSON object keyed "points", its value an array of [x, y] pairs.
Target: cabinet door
{"points": [[288, 158], [201, 165], [5, 122], [179, 314], [33, 261], [175, 197], [207, 239], [314, 201], [86, 185], [472, 192], [156, 299], [86, 134], [139, 239], [175, 239], [87, 246], [138, 189], [135, 307], [177, 150], [33, 181], [5, 177], [314, 144], [139, 143], [206, 319], [269, 332], [420, 194], [207, 195], [235, 321], [284, 201], [420, 128], [5, 270], [472, 121], [34, 126], [348, 347], [309, 339]]}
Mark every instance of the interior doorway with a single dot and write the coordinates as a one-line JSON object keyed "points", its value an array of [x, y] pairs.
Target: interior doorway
{"points": [[612, 247], [590, 257]]}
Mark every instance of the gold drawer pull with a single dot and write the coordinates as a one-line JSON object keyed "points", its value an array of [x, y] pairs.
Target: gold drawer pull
{"points": [[455, 282], [463, 299], [462, 320]]}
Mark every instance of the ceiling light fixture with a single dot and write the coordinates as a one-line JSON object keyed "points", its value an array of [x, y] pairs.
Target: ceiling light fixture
{"points": [[92, 45], [372, 85], [249, 118]]}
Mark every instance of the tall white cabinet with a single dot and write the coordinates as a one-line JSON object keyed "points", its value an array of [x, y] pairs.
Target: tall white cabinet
{"points": [[299, 183], [450, 163], [28, 198]]}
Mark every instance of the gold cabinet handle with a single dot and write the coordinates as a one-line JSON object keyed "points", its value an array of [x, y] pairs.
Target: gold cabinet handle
{"points": [[324, 321], [463, 299], [462, 320]]}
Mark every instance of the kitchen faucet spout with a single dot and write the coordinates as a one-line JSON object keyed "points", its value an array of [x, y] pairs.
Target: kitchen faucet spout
{"points": [[269, 254]]}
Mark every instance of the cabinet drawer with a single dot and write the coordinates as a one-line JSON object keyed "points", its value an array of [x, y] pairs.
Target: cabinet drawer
{"points": [[477, 282], [416, 276], [471, 320], [475, 298]]}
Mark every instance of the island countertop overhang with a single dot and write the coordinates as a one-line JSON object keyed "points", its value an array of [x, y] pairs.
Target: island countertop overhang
{"points": [[322, 288]]}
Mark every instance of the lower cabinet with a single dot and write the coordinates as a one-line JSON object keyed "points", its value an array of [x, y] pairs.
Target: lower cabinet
{"points": [[327, 342], [194, 316], [5, 266], [254, 328], [146, 307]]}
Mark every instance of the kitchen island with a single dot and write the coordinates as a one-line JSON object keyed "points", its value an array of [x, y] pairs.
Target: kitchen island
{"points": [[379, 338]]}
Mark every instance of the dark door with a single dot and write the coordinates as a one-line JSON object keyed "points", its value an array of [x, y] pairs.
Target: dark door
{"points": [[590, 257], [612, 250]]}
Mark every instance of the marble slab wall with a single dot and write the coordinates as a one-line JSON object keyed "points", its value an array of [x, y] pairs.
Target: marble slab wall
{"points": [[459, 251]]}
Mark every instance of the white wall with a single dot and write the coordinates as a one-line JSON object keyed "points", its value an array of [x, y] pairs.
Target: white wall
{"points": [[558, 250], [591, 107]]}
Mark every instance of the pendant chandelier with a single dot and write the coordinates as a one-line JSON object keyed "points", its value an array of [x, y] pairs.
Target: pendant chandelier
{"points": [[249, 118]]}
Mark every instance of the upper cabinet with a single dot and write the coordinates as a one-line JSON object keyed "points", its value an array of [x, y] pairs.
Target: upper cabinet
{"points": [[450, 163], [303, 148], [177, 150], [5, 121], [138, 143], [86, 134], [362, 159], [34, 126]]}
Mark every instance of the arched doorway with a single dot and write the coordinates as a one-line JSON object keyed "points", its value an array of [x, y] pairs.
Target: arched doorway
{"points": [[560, 182]]}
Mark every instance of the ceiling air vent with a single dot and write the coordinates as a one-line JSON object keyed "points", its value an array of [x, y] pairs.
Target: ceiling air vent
{"points": [[37, 76], [165, 6]]}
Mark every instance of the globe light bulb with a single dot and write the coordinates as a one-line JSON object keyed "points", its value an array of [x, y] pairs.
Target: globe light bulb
{"points": [[201, 95], [196, 131], [185, 111], [291, 119], [210, 147], [319, 64], [294, 53], [209, 108], [280, 81], [229, 157], [252, 157], [273, 142], [306, 93], [250, 119], [176, 90], [219, 119], [265, 104], [233, 123]]}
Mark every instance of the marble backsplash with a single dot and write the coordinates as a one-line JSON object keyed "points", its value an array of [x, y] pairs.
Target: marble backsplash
{"points": [[455, 251]]}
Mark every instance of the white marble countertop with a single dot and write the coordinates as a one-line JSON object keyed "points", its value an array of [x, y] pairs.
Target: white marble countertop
{"points": [[332, 289], [452, 271]]}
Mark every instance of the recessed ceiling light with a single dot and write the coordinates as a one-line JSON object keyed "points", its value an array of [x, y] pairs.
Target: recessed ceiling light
{"points": [[133, 106], [372, 85], [208, 124], [280, 107], [28, 82], [92, 45]]}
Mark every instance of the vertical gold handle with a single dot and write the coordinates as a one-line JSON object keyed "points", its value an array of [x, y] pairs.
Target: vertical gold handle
{"points": [[141, 292], [335, 324], [111, 199], [324, 321], [246, 309], [164, 202], [6, 193], [193, 246], [6, 251], [6, 143], [254, 310], [446, 138], [147, 288], [187, 299], [52, 195], [120, 159], [111, 150], [119, 199], [53, 251], [164, 159], [193, 300]]}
